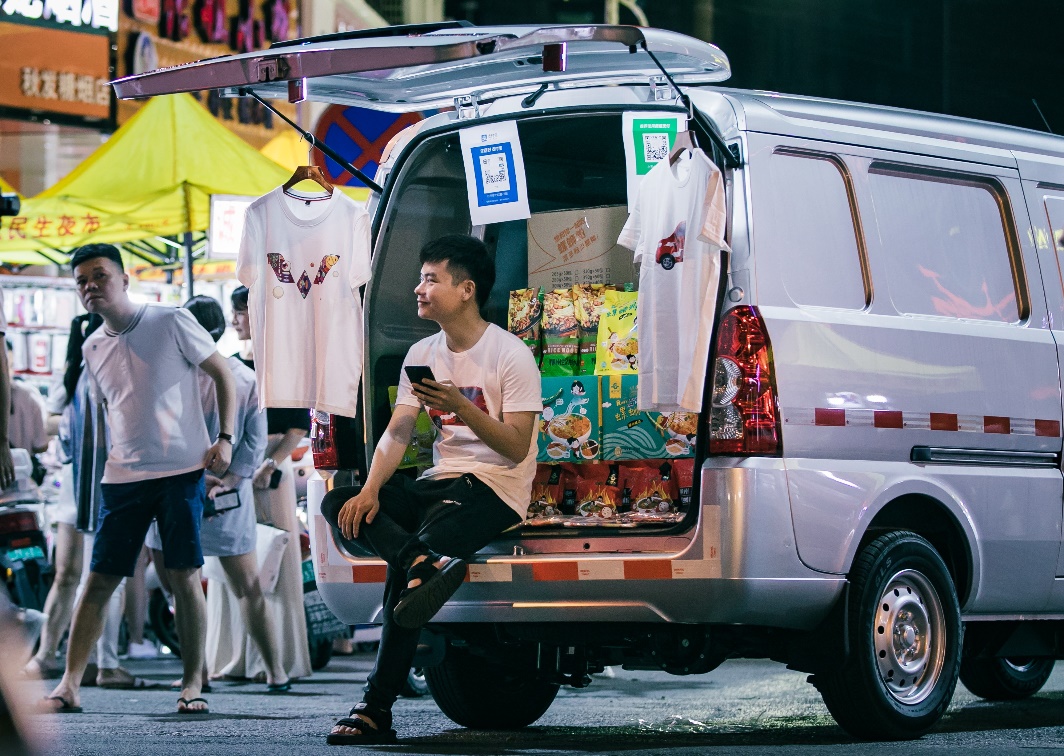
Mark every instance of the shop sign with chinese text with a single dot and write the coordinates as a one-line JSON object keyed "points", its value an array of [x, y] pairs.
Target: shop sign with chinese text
{"points": [[54, 72], [83, 15]]}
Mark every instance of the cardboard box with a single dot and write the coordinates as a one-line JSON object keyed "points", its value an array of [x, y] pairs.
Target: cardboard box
{"points": [[628, 433], [578, 246], [571, 419]]}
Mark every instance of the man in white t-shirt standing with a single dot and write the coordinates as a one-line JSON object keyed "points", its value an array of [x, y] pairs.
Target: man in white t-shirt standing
{"points": [[142, 367], [484, 398]]}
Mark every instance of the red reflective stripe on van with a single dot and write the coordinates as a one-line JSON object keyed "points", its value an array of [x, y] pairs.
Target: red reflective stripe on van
{"points": [[1049, 428], [654, 569], [831, 417], [369, 573], [992, 424], [887, 419], [555, 571], [943, 421]]}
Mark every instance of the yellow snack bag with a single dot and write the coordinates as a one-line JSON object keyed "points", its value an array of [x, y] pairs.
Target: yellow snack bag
{"points": [[617, 347]]}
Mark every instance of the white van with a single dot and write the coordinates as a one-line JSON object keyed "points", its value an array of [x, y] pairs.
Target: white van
{"points": [[879, 489]]}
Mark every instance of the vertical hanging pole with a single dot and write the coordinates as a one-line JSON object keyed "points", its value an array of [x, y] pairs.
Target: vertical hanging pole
{"points": [[188, 265]]}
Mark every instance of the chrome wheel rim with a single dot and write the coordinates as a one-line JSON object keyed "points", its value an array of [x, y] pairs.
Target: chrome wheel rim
{"points": [[1020, 664], [909, 637]]}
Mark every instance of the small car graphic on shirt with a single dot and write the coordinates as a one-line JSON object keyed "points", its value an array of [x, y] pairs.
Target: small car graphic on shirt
{"points": [[474, 394], [670, 249]]}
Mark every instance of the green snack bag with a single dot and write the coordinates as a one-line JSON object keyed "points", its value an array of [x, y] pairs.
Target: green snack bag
{"points": [[419, 453], [524, 317], [589, 301], [560, 345], [617, 348]]}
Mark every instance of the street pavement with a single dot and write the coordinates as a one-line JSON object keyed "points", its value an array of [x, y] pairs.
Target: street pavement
{"points": [[750, 707]]}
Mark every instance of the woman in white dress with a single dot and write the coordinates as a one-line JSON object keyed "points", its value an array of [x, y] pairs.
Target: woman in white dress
{"points": [[275, 502]]}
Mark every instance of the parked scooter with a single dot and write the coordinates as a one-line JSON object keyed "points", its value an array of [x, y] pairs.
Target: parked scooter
{"points": [[24, 564]]}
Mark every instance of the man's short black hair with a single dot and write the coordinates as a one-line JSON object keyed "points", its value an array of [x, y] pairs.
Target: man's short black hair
{"points": [[467, 258], [91, 251], [239, 298], [208, 313]]}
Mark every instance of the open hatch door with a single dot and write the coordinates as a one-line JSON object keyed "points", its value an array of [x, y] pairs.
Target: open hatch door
{"points": [[421, 70]]}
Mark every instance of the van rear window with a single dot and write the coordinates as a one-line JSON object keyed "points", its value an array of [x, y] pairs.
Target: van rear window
{"points": [[807, 229], [947, 245]]}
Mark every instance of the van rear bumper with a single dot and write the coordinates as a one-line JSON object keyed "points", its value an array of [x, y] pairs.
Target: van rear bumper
{"points": [[739, 566]]}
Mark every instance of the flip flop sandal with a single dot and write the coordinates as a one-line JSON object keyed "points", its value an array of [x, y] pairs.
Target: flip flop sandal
{"points": [[419, 604], [188, 702], [367, 734], [44, 707], [275, 688]]}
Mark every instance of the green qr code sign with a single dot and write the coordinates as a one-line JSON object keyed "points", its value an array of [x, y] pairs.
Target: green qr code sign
{"points": [[653, 138]]}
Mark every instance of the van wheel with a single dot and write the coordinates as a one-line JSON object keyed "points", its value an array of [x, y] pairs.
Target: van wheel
{"points": [[415, 685], [904, 626], [1005, 679], [482, 694]]}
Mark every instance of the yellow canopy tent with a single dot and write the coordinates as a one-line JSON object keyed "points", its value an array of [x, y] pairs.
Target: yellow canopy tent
{"points": [[153, 178]]}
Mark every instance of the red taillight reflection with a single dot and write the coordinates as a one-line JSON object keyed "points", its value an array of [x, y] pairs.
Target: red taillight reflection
{"points": [[744, 416], [18, 522], [323, 441]]}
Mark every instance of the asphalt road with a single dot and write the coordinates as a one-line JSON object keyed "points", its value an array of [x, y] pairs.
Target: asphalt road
{"points": [[752, 707]]}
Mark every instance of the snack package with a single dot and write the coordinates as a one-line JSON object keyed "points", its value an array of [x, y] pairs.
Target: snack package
{"points": [[589, 301], [524, 317], [628, 433], [650, 495], [419, 453], [617, 345], [560, 343], [547, 492], [571, 418], [680, 430], [598, 490], [683, 480]]}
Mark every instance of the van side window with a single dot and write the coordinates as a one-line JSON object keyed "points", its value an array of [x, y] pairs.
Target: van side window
{"points": [[810, 231], [1055, 212], [946, 240]]}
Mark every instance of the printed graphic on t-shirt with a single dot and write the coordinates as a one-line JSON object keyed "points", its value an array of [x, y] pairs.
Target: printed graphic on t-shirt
{"points": [[283, 271], [670, 249], [474, 394]]}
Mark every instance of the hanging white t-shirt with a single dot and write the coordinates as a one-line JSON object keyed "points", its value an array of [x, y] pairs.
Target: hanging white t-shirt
{"points": [[498, 374], [677, 232], [147, 377], [303, 261]]}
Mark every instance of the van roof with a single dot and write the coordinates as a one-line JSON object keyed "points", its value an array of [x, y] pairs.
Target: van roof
{"points": [[773, 112]]}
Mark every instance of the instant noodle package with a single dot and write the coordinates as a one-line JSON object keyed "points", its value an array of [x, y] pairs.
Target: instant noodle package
{"points": [[628, 433], [589, 301], [524, 317], [569, 426]]}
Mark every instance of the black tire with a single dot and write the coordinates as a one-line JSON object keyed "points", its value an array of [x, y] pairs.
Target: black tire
{"points": [[905, 634], [481, 694], [415, 685], [161, 621], [1005, 679]]}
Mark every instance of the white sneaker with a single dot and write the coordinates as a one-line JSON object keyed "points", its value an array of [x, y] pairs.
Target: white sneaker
{"points": [[143, 650]]}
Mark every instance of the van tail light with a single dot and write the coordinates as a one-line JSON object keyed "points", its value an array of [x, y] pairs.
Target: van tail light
{"points": [[323, 441], [744, 416]]}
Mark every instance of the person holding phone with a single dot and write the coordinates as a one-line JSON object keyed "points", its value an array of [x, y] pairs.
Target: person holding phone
{"points": [[275, 503], [228, 527], [480, 385]]}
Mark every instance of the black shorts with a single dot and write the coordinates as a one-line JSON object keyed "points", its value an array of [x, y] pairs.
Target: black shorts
{"points": [[175, 502]]}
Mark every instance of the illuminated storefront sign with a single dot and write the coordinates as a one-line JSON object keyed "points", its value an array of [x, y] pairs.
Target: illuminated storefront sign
{"points": [[91, 14]]}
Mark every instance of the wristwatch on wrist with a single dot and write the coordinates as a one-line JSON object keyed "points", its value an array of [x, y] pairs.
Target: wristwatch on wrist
{"points": [[225, 436]]}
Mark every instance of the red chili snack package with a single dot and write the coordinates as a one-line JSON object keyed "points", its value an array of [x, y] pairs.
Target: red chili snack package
{"points": [[649, 494], [683, 475], [598, 491]]}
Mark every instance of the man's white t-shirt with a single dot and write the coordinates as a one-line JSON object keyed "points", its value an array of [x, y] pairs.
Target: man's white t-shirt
{"points": [[498, 374], [147, 377], [677, 232], [303, 262]]}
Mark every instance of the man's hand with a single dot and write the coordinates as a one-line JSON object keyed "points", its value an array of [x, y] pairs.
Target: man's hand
{"points": [[361, 507], [214, 486], [7, 465], [219, 456], [261, 479], [444, 397]]}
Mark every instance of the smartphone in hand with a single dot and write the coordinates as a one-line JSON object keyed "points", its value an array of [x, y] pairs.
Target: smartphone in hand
{"points": [[418, 373]]}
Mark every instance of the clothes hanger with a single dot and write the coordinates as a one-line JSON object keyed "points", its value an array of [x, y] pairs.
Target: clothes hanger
{"points": [[308, 173], [685, 140]]}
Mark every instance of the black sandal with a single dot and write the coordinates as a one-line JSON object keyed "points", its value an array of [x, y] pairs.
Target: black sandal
{"points": [[419, 604], [367, 734]]}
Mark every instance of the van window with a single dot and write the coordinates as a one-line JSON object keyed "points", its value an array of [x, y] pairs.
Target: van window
{"points": [[946, 241], [810, 232], [1055, 211]]}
